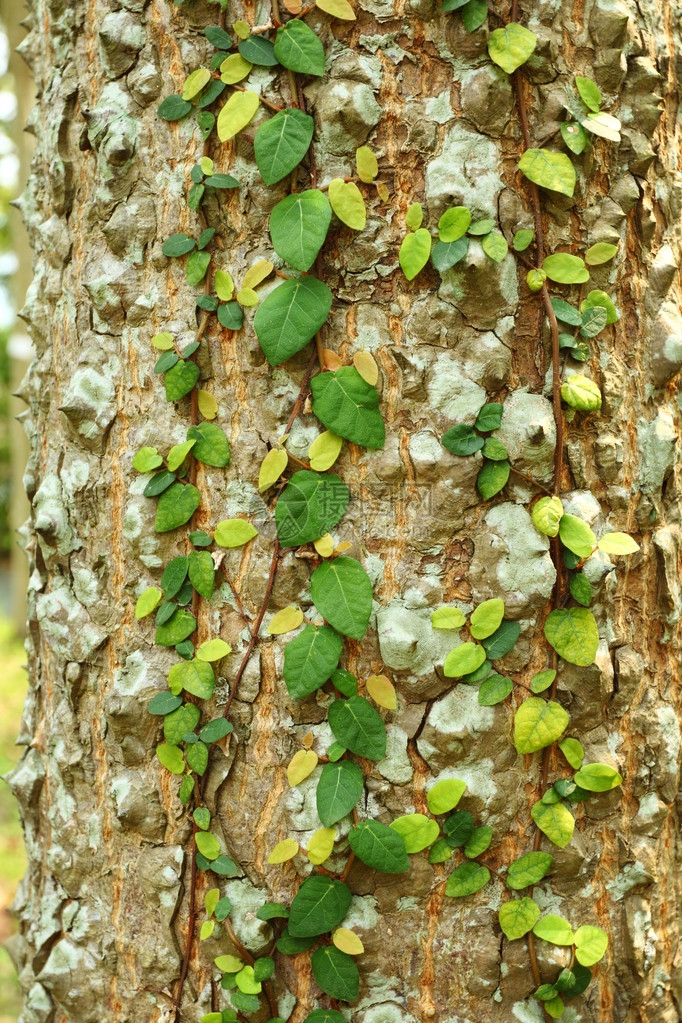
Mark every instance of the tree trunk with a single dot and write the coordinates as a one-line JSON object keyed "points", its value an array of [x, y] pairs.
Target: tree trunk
{"points": [[104, 907]]}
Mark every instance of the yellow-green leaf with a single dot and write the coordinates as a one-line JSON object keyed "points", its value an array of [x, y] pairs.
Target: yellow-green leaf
{"points": [[602, 252], [228, 964], [224, 285], [414, 252], [272, 467], [207, 167], [211, 900], [555, 820], [247, 297], [486, 618], [518, 917], [300, 766], [367, 165], [447, 618], [242, 29], [236, 114], [196, 82], [164, 341], [573, 752], [321, 845], [548, 169], [283, 851], [590, 944], [208, 406], [445, 795], [366, 367], [347, 941], [178, 453], [617, 543], [213, 650], [511, 46], [234, 69], [547, 514], [148, 601], [382, 691], [581, 393], [286, 620], [324, 451], [234, 533], [256, 274], [346, 200], [555, 929], [337, 8], [207, 928], [538, 723], [414, 216]]}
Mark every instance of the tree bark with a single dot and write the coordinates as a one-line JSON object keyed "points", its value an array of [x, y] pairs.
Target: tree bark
{"points": [[103, 907]]}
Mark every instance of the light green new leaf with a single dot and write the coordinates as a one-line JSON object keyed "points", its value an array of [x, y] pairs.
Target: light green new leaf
{"points": [[555, 821], [537, 724], [602, 252], [195, 83], [324, 451], [213, 650], [207, 844], [486, 618], [466, 879], [511, 46], [367, 164], [573, 633], [447, 618], [528, 869], [148, 601], [234, 533], [414, 252], [522, 240], [290, 316], [196, 677], [349, 407], [236, 114], [597, 778], [347, 203], [342, 593], [547, 514], [281, 143], [147, 459], [549, 170], [414, 216], [617, 543], [495, 246], [464, 659], [563, 268], [581, 393], [299, 49], [590, 945], [299, 225], [589, 92], [180, 722], [543, 680], [478, 842], [573, 752], [178, 453], [555, 929], [171, 758], [310, 658], [445, 795], [416, 830], [234, 68], [574, 137], [518, 917], [577, 536], [454, 223]]}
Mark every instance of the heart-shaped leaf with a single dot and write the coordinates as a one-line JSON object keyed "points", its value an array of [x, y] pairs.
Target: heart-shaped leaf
{"points": [[290, 316]]}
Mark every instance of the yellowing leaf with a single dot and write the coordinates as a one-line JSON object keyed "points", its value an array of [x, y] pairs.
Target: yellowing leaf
{"points": [[345, 545], [307, 740], [247, 297], [196, 82], [382, 691], [337, 8], [331, 360], [234, 69], [366, 367], [382, 191], [206, 929], [148, 602], [213, 650], [207, 166], [300, 766], [208, 406], [346, 200], [283, 851], [367, 165], [224, 285], [211, 900], [324, 451], [286, 620], [256, 274], [164, 341], [321, 845], [324, 545], [236, 114], [228, 964], [293, 6], [347, 941], [242, 29], [272, 467]]}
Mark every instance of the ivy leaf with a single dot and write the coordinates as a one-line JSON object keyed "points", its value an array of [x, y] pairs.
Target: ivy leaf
{"points": [[574, 137], [454, 223], [324, 1015], [174, 576], [617, 544], [178, 245], [502, 640], [335, 971], [602, 252], [211, 445], [338, 790], [555, 929], [462, 440], [604, 125], [195, 676], [511, 46], [481, 227], [542, 681], [337, 8], [366, 163], [230, 315], [176, 506], [565, 312], [236, 113], [281, 143], [414, 252], [597, 778], [291, 314], [528, 869], [593, 321], [319, 905], [349, 406], [490, 417], [310, 658], [492, 478], [309, 506], [581, 393], [466, 879], [258, 50], [555, 821], [549, 170], [180, 379], [342, 593], [598, 298], [522, 240], [171, 758], [445, 795], [348, 941], [234, 69], [174, 108], [495, 246], [301, 765], [538, 724], [464, 659], [577, 536], [486, 618], [447, 618], [164, 703], [564, 268], [272, 467], [299, 225], [379, 846], [202, 572], [416, 830], [179, 626], [547, 514], [589, 93], [478, 842], [358, 725], [197, 757], [518, 917], [382, 691], [321, 845], [147, 459], [287, 620], [446, 254], [347, 203], [180, 722], [474, 14], [213, 650], [494, 690], [324, 451], [234, 533], [458, 828], [590, 945], [299, 49], [573, 633], [148, 602], [573, 752]]}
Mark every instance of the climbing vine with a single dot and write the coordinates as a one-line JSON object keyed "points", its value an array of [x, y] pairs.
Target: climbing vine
{"points": [[307, 500]]}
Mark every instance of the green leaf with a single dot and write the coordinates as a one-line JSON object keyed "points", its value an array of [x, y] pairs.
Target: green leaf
{"points": [[299, 225], [547, 514], [542, 680], [545, 993], [310, 658], [178, 245], [163, 703], [495, 246], [197, 265], [522, 240], [174, 575], [564, 268], [446, 254], [486, 618], [494, 690], [464, 659], [180, 379], [147, 601], [335, 971], [309, 506], [581, 393], [458, 828], [258, 50], [573, 982], [325, 1016], [597, 778], [445, 795], [281, 143], [234, 533], [230, 315], [440, 852], [466, 879], [197, 757], [213, 650], [577, 536], [179, 626], [319, 905], [447, 618], [590, 945], [416, 830], [549, 170], [211, 445], [176, 506], [195, 82], [454, 223], [602, 252], [186, 789], [478, 842], [414, 252], [178, 454], [593, 321], [555, 929], [502, 640], [600, 299], [367, 164], [462, 440], [349, 407], [538, 724], [555, 821], [573, 752], [202, 572], [589, 92], [474, 14], [518, 917], [574, 136], [290, 316], [236, 113], [298, 49], [492, 478], [494, 450], [379, 846], [180, 723], [580, 589], [273, 911], [171, 758], [358, 725], [195, 676], [338, 790], [573, 633], [617, 544], [342, 593], [207, 844], [528, 869], [565, 312], [174, 108], [414, 216], [345, 198], [147, 459], [511, 46], [490, 417], [215, 730]]}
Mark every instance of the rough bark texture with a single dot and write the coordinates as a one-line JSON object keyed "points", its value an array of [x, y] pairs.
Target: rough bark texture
{"points": [[103, 905]]}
